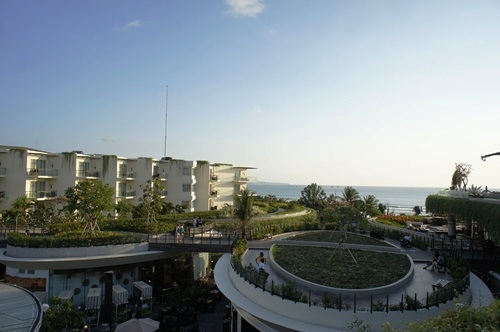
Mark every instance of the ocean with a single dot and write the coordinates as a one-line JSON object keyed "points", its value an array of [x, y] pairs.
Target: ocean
{"points": [[397, 199]]}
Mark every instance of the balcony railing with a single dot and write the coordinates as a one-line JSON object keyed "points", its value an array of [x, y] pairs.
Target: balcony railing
{"points": [[214, 178], [164, 193], [87, 174], [214, 193], [241, 179], [162, 176], [3, 171], [43, 172], [125, 194], [128, 175], [41, 194]]}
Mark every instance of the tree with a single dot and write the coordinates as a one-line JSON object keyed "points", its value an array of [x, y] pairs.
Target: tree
{"points": [[417, 210], [460, 176], [351, 196], [370, 206], [314, 197], [243, 208], [87, 200], [61, 316], [151, 203], [124, 209], [22, 209]]}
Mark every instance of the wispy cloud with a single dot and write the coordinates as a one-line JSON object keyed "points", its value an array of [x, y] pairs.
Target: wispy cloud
{"points": [[107, 140], [129, 26], [249, 8]]}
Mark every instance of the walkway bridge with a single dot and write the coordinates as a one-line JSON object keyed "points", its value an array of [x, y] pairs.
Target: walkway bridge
{"points": [[198, 239]]}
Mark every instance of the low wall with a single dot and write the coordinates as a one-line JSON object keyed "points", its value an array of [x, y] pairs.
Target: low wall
{"points": [[21, 252], [360, 293]]}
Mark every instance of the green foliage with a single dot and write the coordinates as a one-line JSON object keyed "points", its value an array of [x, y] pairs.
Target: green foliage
{"points": [[289, 290], [239, 248], [61, 316], [329, 236], [344, 215], [151, 203], [462, 318], [87, 200], [335, 268], [314, 197], [486, 214], [71, 240]]}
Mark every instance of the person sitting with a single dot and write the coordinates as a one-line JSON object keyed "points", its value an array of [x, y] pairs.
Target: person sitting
{"points": [[260, 258], [435, 257], [262, 268], [406, 241], [439, 264]]}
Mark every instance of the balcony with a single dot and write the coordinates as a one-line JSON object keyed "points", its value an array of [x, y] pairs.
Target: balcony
{"points": [[214, 193], [126, 194], [2, 195], [164, 193], [213, 207], [87, 174], [46, 173], [241, 179], [3, 171], [162, 176], [214, 178], [41, 194], [128, 175]]}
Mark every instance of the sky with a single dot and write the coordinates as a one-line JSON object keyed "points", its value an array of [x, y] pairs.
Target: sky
{"points": [[382, 93]]}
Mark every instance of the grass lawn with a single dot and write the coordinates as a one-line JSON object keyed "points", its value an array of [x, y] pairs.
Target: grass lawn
{"points": [[337, 268], [333, 236]]}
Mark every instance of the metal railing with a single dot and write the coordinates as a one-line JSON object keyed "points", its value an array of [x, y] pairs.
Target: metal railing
{"points": [[194, 235], [375, 303]]}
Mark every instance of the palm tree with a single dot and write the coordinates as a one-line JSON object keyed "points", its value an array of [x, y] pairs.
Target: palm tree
{"points": [[243, 205], [370, 205], [350, 195]]}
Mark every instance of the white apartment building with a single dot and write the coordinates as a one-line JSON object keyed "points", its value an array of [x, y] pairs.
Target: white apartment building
{"points": [[42, 175]]}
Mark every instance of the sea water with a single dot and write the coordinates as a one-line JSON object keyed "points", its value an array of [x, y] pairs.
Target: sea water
{"points": [[396, 199]]}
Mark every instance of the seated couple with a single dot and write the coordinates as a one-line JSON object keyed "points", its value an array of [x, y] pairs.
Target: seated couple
{"points": [[437, 262], [261, 267]]}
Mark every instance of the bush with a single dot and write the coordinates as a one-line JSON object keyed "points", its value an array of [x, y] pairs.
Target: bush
{"points": [[71, 240]]}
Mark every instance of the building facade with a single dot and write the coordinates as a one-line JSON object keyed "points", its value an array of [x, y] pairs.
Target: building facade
{"points": [[42, 175]]}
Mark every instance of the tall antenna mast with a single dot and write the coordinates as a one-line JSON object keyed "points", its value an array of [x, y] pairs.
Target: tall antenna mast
{"points": [[166, 113]]}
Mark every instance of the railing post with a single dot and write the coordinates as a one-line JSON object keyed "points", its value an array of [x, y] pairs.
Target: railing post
{"points": [[354, 303], [402, 304], [416, 302], [310, 300], [371, 303], [427, 301]]}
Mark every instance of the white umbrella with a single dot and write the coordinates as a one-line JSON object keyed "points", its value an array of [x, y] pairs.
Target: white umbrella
{"points": [[138, 325]]}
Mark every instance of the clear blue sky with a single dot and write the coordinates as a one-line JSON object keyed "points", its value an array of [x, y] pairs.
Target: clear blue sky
{"points": [[334, 92]]}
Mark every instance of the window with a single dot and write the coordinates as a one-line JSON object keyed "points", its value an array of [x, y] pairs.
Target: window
{"points": [[122, 189], [123, 170], [22, 271], [186, 171], [186, 188], [31, 271]]}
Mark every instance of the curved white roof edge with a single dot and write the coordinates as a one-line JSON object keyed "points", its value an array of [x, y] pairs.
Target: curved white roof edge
{"points": [[265, 307]]}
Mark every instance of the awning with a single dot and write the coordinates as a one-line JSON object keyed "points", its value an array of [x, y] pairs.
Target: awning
{"points": [[120, 295], [146, 290], [93, 300], [66, 295]]}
